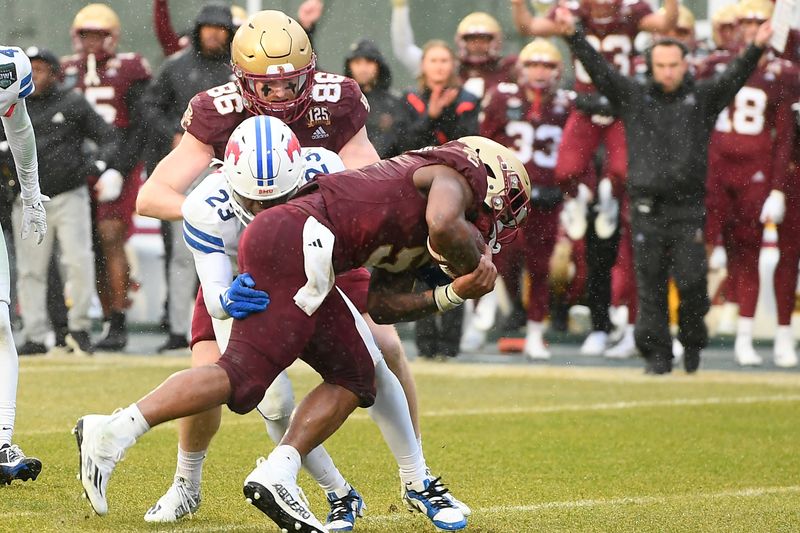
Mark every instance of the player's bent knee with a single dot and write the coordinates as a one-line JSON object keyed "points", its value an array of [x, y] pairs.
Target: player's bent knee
{"points": [[387, 339], [278, 402]]}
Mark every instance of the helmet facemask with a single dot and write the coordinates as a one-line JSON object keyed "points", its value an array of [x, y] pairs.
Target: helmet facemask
{"points": [[300, 81], [509, 207]]}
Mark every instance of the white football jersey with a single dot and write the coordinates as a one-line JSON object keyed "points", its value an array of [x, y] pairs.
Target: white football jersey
{"points": [[211, 230], [16, 81]]}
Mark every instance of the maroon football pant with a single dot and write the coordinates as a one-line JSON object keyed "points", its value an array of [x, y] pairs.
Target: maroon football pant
{"points": [[334, 340], [789, 246], [736, 192], [580, 141], [533, 248]]}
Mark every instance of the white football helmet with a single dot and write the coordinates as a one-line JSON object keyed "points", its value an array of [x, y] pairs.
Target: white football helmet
{"points": [[262, 162]]}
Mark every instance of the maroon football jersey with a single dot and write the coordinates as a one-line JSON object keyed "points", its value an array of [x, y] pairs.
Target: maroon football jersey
{"points": [[338, 111], [378, 214], [107, 87], [792, 50], [758, 123], [612, 37], [480, 79], [529, 127]]}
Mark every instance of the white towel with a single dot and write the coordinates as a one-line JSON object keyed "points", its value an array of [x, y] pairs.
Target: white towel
{"points": [[318, 262]]}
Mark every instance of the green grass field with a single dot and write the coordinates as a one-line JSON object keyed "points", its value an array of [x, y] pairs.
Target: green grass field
{"points": [[529, 448]]}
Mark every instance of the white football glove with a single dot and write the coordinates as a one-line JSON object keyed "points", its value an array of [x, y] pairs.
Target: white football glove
{"points": [[774, 207], [718, 258], [573, 213], [33, 214], [607, 207], [109, 186]]}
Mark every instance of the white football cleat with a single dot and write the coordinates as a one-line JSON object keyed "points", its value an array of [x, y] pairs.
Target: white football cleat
{"points": [[677, 351], [744, 353], [625, 348], [433, 501], [784, 354], [99, 451], [535, 348], [594, 344], [181, 499], [472, 340], [281, 500]]}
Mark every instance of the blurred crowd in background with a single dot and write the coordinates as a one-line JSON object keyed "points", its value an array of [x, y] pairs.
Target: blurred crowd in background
{"points": [[103, 120]]}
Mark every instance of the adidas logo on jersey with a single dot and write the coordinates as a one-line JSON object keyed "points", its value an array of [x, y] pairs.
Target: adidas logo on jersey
{"points": [[319, 133], [316, 244]]}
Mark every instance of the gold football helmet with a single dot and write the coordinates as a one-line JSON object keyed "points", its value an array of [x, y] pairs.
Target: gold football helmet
{"points": [[540, 51], [96, 17], [508, 191], [754, 10], [272, 46], [479, 24], [239, 15], [723, 24]]}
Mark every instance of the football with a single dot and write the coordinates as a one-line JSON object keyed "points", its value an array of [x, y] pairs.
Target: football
{"points": [[443, 263]]}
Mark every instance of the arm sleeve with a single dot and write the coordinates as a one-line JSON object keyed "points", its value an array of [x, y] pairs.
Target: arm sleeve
{"points": [[408, 53], [215, 273], [22, 142], [605, 77], [721, 89], [162, 23], [212, 264]]}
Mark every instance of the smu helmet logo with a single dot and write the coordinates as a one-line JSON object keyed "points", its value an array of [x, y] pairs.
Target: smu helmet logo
{"points": [[233, 149], [293, 147]]}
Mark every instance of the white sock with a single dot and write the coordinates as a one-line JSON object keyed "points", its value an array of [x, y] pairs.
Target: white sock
{"points": [[190, 466], [285, 460], [744, 328], [318, 462], [9, 372], [7, 413], [390, 413], [129, 423]]}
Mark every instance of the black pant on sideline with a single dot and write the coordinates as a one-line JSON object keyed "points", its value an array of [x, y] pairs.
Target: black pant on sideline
{"points": [[664, 246]]}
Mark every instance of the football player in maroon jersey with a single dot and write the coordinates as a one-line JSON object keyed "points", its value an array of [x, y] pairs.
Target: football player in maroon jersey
{"points": [[459, 202], [748, 163], [275, 77], [114, 84], [529, 117], [611, 27], [479, 41]]}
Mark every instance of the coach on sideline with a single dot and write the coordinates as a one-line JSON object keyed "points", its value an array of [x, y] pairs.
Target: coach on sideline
{"points": [[668, 121]]}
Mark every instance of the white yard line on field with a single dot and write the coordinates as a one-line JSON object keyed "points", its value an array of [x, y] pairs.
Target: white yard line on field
{"points": [[533, 409], [104, 363], [747, 492]]}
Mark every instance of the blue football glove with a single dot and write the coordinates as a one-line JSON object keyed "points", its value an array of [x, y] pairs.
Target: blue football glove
{"points": [[241, 299]]}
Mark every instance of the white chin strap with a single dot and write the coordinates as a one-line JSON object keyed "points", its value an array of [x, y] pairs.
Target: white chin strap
{"points": [[493, 244]]}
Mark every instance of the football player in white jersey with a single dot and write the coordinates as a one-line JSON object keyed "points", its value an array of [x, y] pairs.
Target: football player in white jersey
{"points": [[215, 214], [16, 83]]}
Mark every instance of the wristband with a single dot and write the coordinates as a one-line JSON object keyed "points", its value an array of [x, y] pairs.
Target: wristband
{"points": [[446, 297]]}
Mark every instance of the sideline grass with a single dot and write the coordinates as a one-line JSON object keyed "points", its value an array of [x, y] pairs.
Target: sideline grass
{"points": [[528, 448]]}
